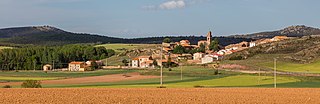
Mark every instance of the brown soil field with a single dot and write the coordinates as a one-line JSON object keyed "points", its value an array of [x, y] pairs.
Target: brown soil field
{"points": [[166, 95], [94, 79]]}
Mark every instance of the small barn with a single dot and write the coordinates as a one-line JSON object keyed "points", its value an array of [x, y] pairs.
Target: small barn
{"points": [[47, 67]]}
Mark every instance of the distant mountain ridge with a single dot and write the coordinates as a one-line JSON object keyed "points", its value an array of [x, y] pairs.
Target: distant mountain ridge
{"points": [[48, 35], [25, 31], [291, 31]]}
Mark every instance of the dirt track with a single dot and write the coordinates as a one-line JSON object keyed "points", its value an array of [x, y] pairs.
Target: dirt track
{"points": [[94, 79], [154, 95]]}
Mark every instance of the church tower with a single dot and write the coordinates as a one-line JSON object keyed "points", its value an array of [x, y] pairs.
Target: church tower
{"points": [[209, 38]]}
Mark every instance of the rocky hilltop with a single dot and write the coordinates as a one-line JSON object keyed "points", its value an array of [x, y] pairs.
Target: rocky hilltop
{"points": [[302, 50], [291, 31]]}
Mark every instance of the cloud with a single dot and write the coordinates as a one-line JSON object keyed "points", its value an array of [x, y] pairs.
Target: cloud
{"points": [[173, 4]]}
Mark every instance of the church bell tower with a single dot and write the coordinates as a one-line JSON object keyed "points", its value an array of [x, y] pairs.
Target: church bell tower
{"points": [[209, 38]]}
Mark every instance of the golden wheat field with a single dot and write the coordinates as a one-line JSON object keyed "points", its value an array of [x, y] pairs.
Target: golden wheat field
{"points": [[157, 95]]}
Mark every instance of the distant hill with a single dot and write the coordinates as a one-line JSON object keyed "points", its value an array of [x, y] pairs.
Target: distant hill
{"points": [[48, 35], [302, 50], [292, 31]]}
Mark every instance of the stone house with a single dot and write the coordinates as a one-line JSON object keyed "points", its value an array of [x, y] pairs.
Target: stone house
{"points": [[47, 67], [77, 66], [198, 56]]}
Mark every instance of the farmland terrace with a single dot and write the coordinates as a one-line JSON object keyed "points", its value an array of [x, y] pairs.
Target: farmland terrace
{"points": [[154, 95]]}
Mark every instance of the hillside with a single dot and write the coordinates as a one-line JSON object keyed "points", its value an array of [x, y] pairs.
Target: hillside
{"points": [[292, 31], [48, 35], [300, 50]]}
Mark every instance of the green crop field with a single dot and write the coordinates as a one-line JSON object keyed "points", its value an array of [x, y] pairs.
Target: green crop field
{"points": [[3, 47], [266, 61], [196, 76], [191, 76], [296, 67], [19, 79], [123, 47], [40, 75]]}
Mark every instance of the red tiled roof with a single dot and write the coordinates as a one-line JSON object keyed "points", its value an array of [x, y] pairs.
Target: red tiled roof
{"points": [[76, 62]]}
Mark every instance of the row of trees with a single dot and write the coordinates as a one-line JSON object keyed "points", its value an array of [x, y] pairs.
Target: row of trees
{"points": [[31, 58]]}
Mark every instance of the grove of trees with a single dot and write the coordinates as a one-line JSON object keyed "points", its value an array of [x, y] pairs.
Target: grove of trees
{"points": [[31, 58]]}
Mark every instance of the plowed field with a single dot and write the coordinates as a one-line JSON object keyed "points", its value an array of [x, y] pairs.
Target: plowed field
{"points": [[154, 95], [94, 79]]}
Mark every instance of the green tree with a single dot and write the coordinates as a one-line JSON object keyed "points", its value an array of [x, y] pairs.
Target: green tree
{"points": [[166, 40], [179, 50], [214, 46], [31, 84], [155, 63], [125, 62], [94, 65], [202, 48]]}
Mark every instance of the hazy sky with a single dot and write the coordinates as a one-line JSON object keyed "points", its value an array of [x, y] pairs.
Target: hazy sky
{"points": [[144, 18]]}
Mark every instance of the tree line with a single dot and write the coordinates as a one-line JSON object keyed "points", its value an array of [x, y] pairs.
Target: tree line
{"points": [[33, 58]]}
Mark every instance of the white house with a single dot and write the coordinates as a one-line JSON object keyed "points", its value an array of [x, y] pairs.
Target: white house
{"points": [[142, 62], [252, 44], [208, 59], [198, 56], [76, 66], [135, 63]]}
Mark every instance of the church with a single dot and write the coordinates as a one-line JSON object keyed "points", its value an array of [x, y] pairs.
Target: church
{"points": [[186, 44], [206, 42]]}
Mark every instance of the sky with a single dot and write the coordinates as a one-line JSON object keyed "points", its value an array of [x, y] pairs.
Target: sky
{"points": [[149, 18]]}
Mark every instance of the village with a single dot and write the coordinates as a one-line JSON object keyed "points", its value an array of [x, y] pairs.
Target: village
{"points": [[171, 59], [199, 58]]}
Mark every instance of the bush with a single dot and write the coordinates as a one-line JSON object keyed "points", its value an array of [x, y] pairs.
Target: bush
{"points": [[170, 69], [6, 86], [162, 87], [216, 72], [31, 84], [238, 57], [198, 86]]}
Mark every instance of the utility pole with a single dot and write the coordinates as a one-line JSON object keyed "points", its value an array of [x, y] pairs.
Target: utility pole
{"points": [[181, 71], [161, 67], [275, 73], [34, 65], [52, 65], [259, 76], [107, 62]]}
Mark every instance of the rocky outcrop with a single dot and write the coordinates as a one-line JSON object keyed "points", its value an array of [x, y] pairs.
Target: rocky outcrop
{"points": [[291, 31]]}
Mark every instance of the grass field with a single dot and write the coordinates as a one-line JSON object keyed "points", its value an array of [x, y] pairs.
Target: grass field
{"points": [[192, 76], [265, 61], [40, 75], [123, 47], [3, 47], [296, 67], [14, 79], [190, 82]]}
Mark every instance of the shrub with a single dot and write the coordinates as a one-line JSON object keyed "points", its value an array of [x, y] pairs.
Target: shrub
{"points": [[216, 72], [6, 86], [238, 57], [162, 87], [31, 84], [198, 86]]}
